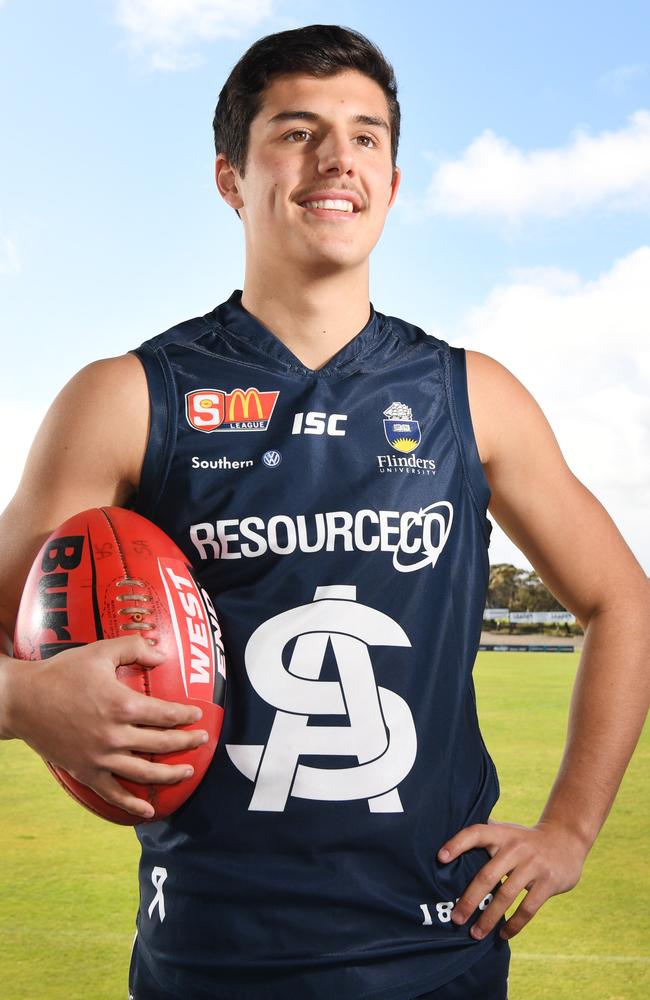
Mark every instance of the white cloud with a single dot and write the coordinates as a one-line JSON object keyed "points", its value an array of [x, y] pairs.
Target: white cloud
{"points": [[583, 350], [9, 259], [166, 31], [493, 178], [616, 81]]}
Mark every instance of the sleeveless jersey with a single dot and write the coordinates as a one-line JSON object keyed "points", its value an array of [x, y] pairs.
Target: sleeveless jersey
{"points": [[337, 519]]}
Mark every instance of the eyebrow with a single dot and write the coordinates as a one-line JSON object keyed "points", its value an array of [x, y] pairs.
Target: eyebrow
{"points": [[311, 116]]}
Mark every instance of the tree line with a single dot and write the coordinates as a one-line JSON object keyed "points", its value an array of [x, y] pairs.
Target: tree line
{"points": [[519, 590]]}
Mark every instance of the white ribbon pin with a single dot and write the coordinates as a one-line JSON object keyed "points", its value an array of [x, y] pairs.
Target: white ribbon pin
{"points": [[158, 877]]}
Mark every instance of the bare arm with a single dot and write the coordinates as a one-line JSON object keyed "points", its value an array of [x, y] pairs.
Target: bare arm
{"points": [[71, 708], [577, 550], [87, 452]]}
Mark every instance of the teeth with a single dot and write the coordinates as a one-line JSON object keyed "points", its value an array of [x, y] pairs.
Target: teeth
{"points": [[338, 205]]}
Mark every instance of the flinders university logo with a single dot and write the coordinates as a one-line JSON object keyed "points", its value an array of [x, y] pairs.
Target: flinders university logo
{"points": [[402, 432], [210, 410], [376, 724]]}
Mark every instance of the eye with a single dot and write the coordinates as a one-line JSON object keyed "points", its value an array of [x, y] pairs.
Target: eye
{"points": [[298, 135], [366, 140]]}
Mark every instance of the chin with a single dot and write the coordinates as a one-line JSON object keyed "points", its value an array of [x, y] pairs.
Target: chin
{"points": [[334, 254], [328, 264]]}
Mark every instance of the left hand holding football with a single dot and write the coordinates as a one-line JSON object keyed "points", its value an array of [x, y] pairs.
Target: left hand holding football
{"points": [[545, 860]]}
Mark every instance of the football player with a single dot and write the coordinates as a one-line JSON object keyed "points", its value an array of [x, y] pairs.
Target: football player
{"points": [[328, 469]]}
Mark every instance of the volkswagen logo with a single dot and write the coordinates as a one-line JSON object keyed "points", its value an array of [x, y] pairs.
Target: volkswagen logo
{"points": [[271, 459]]}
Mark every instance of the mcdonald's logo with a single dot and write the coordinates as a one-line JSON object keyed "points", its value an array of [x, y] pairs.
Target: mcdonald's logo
{"points": [[210, 410], [244, 399]]}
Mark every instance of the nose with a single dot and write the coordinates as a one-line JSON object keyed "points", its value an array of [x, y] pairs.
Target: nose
{"points": [[335, 156]]}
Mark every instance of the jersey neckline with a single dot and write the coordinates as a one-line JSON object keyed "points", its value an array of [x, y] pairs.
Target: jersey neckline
{"points": [[236, 320]]}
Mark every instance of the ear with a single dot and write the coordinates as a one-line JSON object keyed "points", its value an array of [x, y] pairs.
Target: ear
{"points": [[227, 179], [394, 186]]}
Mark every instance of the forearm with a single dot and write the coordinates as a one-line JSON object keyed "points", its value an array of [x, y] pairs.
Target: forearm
{"points": [[6, 645], [6, 673], [8, 679], [608, 709]]}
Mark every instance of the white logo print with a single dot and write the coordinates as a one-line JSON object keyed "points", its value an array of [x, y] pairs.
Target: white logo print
{"points": [[441, 514], [415, 538], [380, 734], [158, 876], [319, 423]]}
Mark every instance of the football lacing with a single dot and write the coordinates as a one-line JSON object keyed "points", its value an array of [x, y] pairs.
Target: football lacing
{"points": [[136, 612]]}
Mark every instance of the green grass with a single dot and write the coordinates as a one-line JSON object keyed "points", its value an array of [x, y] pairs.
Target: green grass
{"points": [[591, 943], [68, 891]]}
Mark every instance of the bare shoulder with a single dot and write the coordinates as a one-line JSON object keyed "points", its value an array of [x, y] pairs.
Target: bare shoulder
{"points": [[88, 452], [123, 375], [505, 415], [100, 417]]}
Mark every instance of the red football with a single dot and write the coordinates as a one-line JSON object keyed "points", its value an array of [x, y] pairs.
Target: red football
{"points": [[108, 572]]}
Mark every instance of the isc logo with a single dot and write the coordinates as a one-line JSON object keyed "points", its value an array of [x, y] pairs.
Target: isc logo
{"points": [[319, 423]]}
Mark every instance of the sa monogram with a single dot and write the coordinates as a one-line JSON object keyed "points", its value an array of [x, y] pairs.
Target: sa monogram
{"points": [[377, 729]]}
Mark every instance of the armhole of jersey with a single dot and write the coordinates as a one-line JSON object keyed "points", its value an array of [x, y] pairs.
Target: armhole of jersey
{"points": [[159, 451], [461, 419]]}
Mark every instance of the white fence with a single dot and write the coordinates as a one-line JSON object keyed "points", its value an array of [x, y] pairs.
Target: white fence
{"points": [[528, 617]]}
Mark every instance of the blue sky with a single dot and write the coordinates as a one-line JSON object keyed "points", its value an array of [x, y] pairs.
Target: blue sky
{"points": [[522, 228]]}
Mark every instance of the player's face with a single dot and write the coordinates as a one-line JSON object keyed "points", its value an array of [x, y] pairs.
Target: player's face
{"points": [[319, 179]]}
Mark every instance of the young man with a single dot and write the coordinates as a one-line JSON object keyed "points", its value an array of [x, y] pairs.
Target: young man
{"points": [[328, 470]]}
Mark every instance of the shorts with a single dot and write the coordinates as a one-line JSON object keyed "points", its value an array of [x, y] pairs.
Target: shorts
{"points": [[142, 985], [486, 979]]}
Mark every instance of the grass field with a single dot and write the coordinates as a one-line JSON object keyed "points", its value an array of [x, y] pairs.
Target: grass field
{"points": [[68, 891]]}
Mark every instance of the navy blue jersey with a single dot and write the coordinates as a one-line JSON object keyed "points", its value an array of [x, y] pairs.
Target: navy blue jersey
{"points": [[337, 518]]}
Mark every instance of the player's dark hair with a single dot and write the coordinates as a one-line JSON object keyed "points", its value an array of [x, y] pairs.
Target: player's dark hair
{"points": [[320, 50]]}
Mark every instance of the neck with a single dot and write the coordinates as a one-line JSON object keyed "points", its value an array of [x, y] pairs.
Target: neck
{"points": [[313, 316]]}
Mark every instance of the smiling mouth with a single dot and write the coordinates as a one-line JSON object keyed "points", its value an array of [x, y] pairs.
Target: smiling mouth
{"points": [[331, 205], [331, 208]]}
